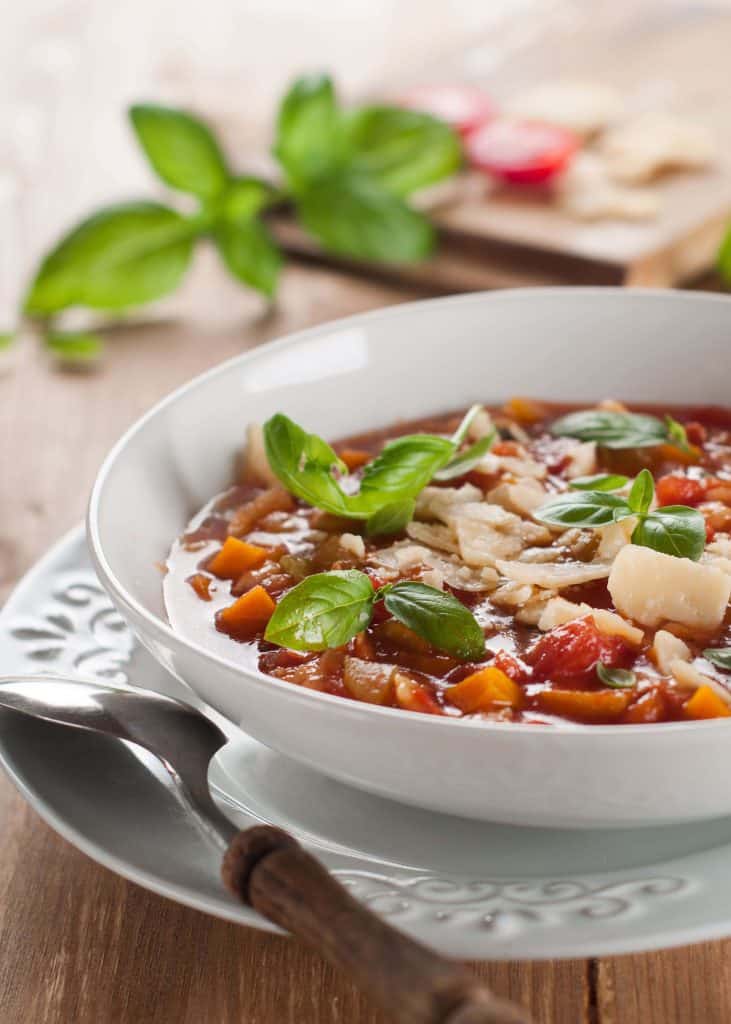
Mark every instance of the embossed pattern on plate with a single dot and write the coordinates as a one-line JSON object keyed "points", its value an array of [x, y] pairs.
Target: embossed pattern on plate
{"points": [[469, 888]]}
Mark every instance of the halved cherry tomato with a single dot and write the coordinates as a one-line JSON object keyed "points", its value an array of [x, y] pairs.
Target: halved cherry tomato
{"points": [[570, 652], [681, 490], [463, 107], [521, 152]]}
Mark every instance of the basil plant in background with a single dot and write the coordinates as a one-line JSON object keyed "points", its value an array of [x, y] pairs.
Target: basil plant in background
{"points": [[346, 174]]}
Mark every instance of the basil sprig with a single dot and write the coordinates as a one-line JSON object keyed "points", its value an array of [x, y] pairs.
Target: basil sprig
{"points": [[618, 429], [719, 656], [307, 466], [347, 176], [672, 529], [599, 482], [617, 678], [328, 609]]}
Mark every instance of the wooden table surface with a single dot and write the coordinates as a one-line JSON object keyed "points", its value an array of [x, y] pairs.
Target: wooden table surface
{"points": [[77, 943]]}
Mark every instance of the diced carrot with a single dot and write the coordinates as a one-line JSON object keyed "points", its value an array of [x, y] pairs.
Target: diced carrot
{"points": [[201, 584], [525, 410], [706, 703], [484, 690], [248, 615], [412, 696], [235, 558], [673, 453], [585, 705], [649, 707], [354, 458]]}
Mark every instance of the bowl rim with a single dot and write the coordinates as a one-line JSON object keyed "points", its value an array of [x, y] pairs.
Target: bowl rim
{"points": [[164, 631]]}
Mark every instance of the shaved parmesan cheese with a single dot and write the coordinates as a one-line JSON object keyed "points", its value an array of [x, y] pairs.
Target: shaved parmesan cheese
{"points": [[582, 460], [582, 107], [255, 462], [690, 678], [488, 532], [614, 625], [533, 609], [512, 594], [666, 649], [651, 587], [439, 502], [614, 537], [353, 543], [653, 143], [558, 611], [435, 535], [555, 576], [480, 426], [586, 191], [522, 497]]}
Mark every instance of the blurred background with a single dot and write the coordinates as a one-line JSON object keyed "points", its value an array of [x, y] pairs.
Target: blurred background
{"points": [[70, 68]]}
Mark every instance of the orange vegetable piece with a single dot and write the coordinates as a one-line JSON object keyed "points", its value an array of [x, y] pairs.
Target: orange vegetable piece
{"points": [[673, 453], [525, 410], [484, 690], [585, 705], [354, 458], [201, 584], [248, 615], [235, 558], [706, 703]]}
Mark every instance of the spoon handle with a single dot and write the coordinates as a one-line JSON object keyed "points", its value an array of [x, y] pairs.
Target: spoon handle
{"points": [[267, 869]]}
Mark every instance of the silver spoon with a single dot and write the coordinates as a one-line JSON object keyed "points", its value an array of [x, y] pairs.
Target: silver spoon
{"points": [[265, 867]]}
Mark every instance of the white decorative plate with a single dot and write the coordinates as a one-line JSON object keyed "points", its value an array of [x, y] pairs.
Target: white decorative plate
{"points": [[468, 888]]}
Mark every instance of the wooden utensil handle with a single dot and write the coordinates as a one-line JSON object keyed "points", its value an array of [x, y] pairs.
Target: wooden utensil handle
{"points": [[267, 869]]}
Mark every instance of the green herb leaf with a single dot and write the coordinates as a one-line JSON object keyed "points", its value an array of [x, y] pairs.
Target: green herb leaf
{"points": [[250, 253], [468, 459], [74, 348], [719, 656], [438, 617], [244, 198], [723, 260], [673, 530], [401, 469], [325, 610], [403, 150], [391, 518], [122, 256], [612, 429], [641, 493], [310, 139], [600, 482], [351, 215], [617, 678], [304, 463], [676, 433], [7, 338], [181, 148], [468, 419], [585, 508]]}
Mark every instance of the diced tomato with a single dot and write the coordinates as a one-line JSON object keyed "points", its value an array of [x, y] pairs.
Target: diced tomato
{"points": [[463, 107], [571, 651], [696, 433], [201, 584], [649, 707], [512, 667], [414, 696], [520, 152], [680, 490]]}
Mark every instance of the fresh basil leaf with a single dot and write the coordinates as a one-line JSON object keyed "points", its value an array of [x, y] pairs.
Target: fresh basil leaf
{"points": [[122, 256], [468, 419], [310, 137], [7, 339], [244, 198], [617, 678], [181, 148], [250, 253], [303, 463], [325, 610], [600, 482], [352, 215], [437, 617], [74, 348], [677, 434], [468, 459], [403, 150], [391, 518], [719, 656], [585, 508], [612, 429], [402, 468], [673, 530], [642, 492], [723, 260]]}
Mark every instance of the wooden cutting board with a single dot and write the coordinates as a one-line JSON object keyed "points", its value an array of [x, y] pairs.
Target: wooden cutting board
{"points": [[661, 56]]}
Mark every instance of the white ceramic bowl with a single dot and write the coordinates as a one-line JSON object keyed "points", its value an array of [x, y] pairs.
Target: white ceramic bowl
{"points": [[366, 371]]}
